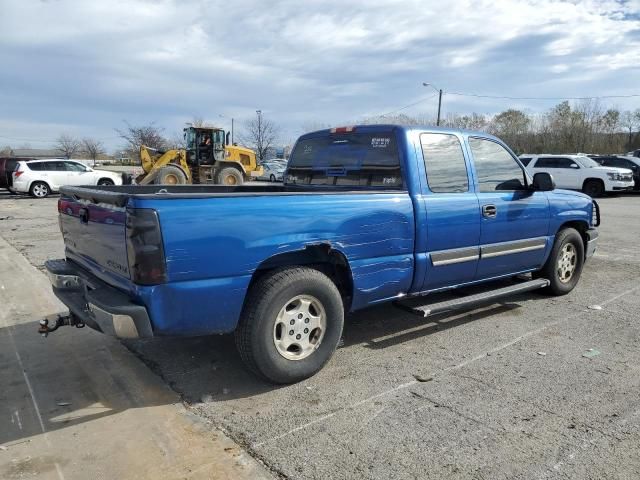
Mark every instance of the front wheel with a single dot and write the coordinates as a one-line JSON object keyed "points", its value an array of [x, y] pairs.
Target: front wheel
{"points": [[230, 176], [593, 188], [272, 178], [564, 266], [104, 182], [291, 324]]}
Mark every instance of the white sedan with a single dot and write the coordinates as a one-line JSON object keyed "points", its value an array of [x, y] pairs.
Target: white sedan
{"points": [[39, 178], [273, 171]]}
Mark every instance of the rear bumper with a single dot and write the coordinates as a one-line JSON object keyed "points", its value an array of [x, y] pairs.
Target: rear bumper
{"points": [[592, 242], [96, 304]]}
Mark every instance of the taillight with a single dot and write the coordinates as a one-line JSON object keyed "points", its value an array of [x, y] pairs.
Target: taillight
{"points": [[17, 173], [145, 250]]}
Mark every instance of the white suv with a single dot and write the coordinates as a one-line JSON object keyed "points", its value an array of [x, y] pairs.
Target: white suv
{"points": [[41, 177], [578, 172]]}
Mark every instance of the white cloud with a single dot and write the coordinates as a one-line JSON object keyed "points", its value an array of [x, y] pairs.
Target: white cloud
{"points": [[88, 65]]}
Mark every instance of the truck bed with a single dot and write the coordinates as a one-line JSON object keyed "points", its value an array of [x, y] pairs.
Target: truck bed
{"points": [[120, 195]]}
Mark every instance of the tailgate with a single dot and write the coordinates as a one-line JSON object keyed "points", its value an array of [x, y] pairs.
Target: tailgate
{"points": [[95, 233]]}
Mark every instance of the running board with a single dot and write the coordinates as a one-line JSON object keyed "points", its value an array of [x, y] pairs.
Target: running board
{"points": [[476, 299]]}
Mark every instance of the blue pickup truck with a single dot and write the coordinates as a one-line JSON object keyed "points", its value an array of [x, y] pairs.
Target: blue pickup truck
{"points": [[366, 214]]}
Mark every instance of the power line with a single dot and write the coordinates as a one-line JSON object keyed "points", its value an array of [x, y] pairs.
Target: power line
{"points": [[407, 106], [539, 98]]}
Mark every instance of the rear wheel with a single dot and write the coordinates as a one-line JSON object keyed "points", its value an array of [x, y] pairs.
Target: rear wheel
{"points": [[105, 182], [170, 175], [291, 324], [230, 176], [593, 188], [272, 178], [39, 190], [564, 266]]}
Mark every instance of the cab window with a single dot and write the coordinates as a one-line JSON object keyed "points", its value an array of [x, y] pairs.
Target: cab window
{"points": [[496, 169], [444, 163]]}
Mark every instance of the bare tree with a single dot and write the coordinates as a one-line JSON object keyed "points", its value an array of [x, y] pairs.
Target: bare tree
{"points": [[200, 122], [5, 151], [135, 135], [67, 145], [93, 148], [260, 134], [631, 123]]}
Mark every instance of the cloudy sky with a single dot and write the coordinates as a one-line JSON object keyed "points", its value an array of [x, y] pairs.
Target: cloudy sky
{"points": [[82, 67]]}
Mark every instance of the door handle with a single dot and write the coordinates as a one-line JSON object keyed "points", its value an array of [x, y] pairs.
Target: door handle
{"points": [[489, 211]]}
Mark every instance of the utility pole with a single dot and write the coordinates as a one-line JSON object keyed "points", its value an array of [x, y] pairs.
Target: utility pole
{"points": [[259, 139], [439, 90]]}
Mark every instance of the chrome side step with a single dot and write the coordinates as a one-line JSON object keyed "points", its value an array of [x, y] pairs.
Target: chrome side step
{"points": [[475, 299]]}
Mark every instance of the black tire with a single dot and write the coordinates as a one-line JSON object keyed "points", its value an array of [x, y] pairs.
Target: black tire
{"points": [[272, 178], [39, 190], [230, 176], [594, 188], [553, 270], [106, 182], [256, 332], [170, 175]]}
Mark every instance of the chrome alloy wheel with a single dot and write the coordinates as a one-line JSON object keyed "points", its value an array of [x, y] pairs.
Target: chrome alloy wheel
{"points": [[299, 327], [40, 190], [567, 261]]}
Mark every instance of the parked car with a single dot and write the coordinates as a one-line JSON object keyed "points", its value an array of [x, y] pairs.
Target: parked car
{"points": [[579, 172], [367, 214], [634, 153], [39, 178], [273, 170], [621, 161]]}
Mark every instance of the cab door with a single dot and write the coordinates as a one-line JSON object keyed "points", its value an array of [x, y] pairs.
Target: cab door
{"points": [[514, 227], [452, 233]]}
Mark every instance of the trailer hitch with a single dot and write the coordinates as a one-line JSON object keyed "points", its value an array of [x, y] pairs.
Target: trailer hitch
{"points": [[61, 321]]}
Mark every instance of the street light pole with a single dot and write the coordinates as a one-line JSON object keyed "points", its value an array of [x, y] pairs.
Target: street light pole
{"points": [[439, 90]]}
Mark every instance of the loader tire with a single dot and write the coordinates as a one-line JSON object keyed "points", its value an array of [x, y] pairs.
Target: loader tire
{"points": [[170, 175], [230, 176]]}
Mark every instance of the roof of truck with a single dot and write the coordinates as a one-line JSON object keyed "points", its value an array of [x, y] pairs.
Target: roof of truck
{"points": [[406, 128]]}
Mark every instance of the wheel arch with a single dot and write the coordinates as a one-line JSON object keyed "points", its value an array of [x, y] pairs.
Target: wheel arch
{"points": [[225, 164], [594, 179], [105, 178], [32, 182], [580, 225], [322, 257]]}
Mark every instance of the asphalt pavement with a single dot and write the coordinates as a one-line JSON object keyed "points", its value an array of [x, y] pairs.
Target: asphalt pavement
{"points": [[78, 404], [532, 387]]}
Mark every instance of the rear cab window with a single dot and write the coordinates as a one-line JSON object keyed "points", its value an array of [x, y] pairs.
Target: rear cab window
{"points": [[349, 159], [444, 163]]}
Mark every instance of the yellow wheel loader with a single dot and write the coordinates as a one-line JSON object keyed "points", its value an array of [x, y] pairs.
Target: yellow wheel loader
{"points": [[207, 158]]}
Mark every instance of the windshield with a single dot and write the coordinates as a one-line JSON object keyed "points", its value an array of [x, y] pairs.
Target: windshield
{"points": [[588, 162], [351, 159]]}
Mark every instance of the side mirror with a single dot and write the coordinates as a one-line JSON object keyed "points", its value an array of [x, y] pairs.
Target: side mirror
{"points": [[573, 165], [543, 182]]}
